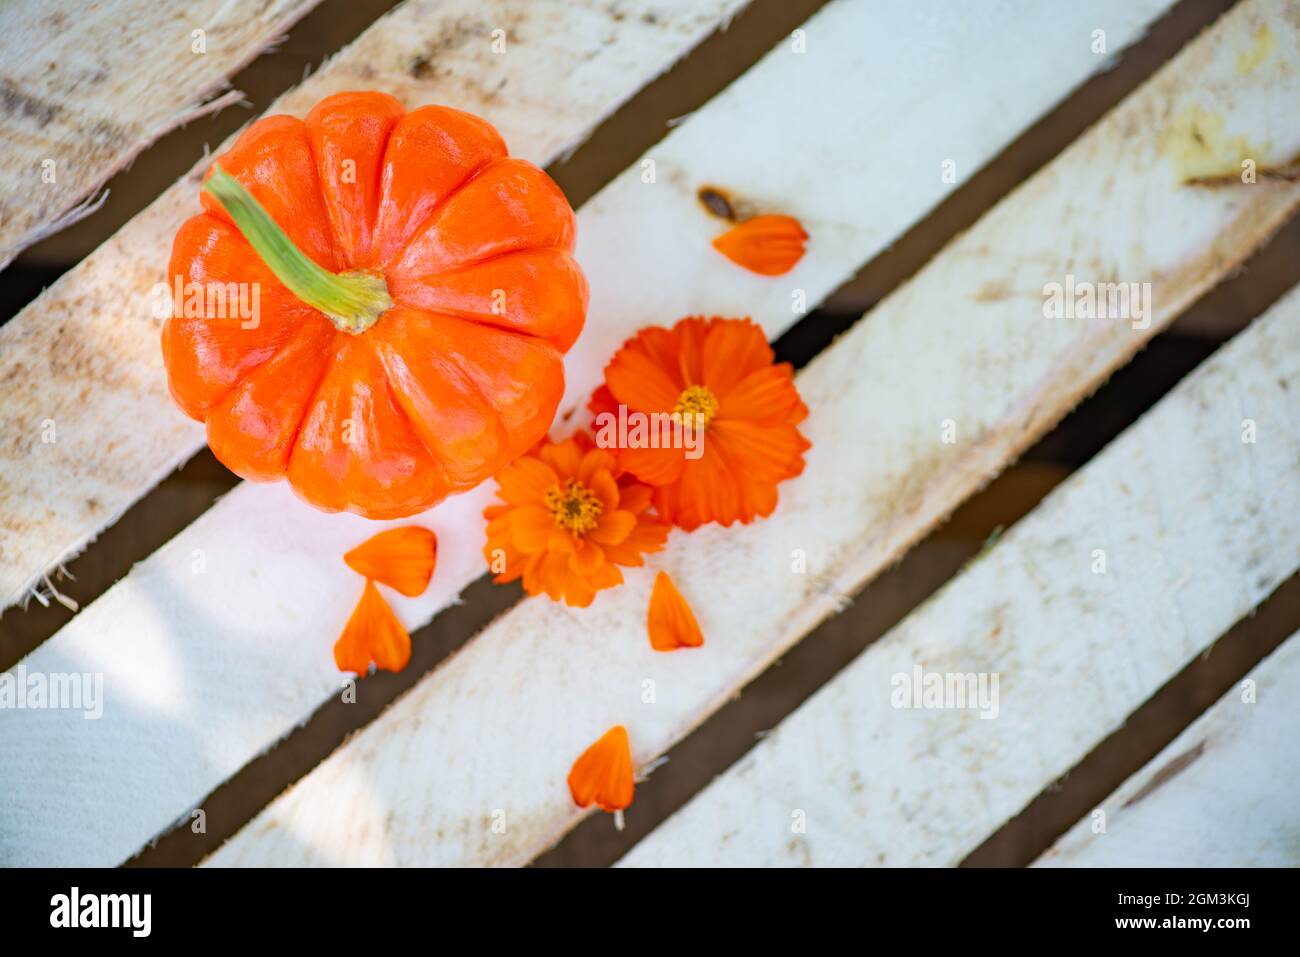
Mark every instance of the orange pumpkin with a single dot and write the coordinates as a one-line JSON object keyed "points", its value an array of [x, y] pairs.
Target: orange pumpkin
{"points": [[409, 293]]}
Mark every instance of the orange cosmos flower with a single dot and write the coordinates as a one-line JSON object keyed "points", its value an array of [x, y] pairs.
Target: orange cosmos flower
{"points": [[670, 621], [567, 523], [401, 558], [720, 373], [767, 245], [373, 633], [603, 774]]}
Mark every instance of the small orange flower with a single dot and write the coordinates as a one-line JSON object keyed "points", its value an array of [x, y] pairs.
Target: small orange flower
{"points": [[721, 372], [603, 774], [373, 633], [567, 523], [401, 558], [670, 621], [767, 245]]}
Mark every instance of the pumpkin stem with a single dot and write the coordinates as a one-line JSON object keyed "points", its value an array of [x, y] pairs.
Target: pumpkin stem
{"points": [[353, 300]]}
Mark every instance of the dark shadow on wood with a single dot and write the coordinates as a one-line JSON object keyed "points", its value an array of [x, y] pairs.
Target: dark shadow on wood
{"points": [[701, 75], [1022, 158], [173, 503], [769, 698], [1185, 697], [322, 32], [178, 500], [616, 143], [243, 795], [729, 733]]}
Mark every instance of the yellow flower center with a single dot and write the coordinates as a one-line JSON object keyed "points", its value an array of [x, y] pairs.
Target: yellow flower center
{"points": [[697, 400], [574, 506]]}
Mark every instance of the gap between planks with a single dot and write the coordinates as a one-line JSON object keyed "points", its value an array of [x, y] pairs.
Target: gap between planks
{"points": [[632, 41], [1196, 527], [419, 785], [262, 704], [323, 31], [975, 526], [183, 495], [85, 355], [87, 96], [239, 798], [1224, 794], [1144, 734]]}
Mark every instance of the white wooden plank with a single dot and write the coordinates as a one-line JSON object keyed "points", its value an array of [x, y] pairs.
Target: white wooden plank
{"points": [[84, 359], [82, 92], [1197, 528], [1224, 793], [496, 727], [271, 610]]}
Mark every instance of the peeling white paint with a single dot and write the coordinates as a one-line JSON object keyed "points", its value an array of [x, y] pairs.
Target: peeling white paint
{"points": [[1199, 528], [498, 725]]}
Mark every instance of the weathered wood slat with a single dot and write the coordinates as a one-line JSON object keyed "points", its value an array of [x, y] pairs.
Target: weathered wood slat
{"points": [[86, 356], [1225, 793], [1196, 526], [83, 359], [86, 87], [490, 735], [272, 597]]}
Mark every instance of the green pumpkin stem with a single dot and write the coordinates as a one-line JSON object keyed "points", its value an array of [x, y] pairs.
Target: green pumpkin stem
{"points": [[353, 301]]}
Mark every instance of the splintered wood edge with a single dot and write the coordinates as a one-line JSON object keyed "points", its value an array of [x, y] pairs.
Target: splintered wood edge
{"points": [[136, 99], [1222, 794], [263, 594], [83, 358], [1196, 530], [898, 482]]}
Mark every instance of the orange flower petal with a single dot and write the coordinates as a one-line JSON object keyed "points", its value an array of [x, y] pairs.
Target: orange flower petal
{"points": [[504, 560], [648, 536], [670, 621], [635, 497], [707, 491], [614, 527], [530, 528], [604, 487], [373, 633], [526, 480], [587, 557], [732, 350], [690, 334], [401, 558], [596, 460], [602, 400], [561, 540], [578, 592], [766, 397], [771, 453], [654, 466], [554, 574], [607, 577], [767, 245], [603, 774], [565, 457], [532, 574], [641, 382]]}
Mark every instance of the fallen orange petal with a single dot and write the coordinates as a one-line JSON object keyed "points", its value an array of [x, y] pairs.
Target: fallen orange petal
{"points": [[373, 633], [603, 774], [671, 622], [767, 245], [401, 558]]}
